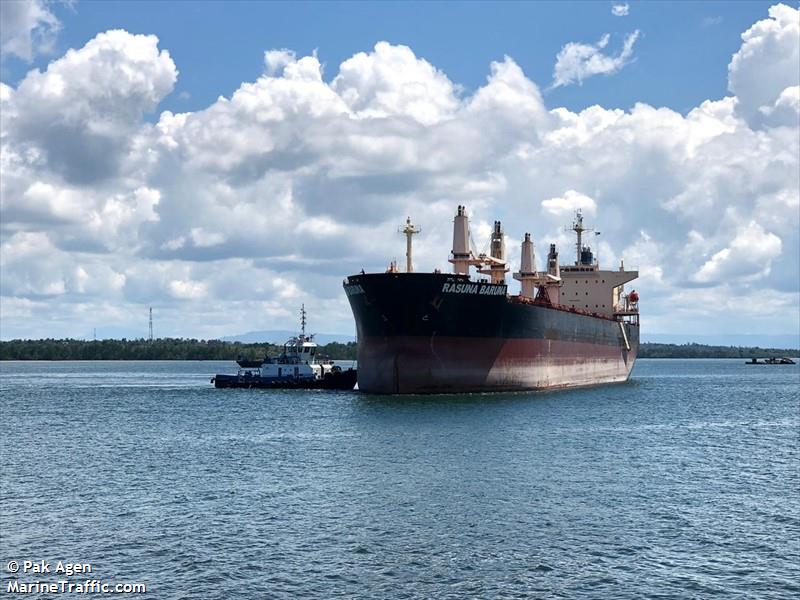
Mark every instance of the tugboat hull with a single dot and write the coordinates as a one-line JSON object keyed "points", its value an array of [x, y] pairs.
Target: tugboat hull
{"points": [[337, 380]]}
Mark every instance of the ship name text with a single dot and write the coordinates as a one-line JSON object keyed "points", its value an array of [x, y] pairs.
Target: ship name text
{"points": [[474, 288]]}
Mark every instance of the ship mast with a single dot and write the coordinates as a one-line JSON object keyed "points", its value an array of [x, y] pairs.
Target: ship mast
{"points": [[303, 321], [410, 230], [578, 228]]}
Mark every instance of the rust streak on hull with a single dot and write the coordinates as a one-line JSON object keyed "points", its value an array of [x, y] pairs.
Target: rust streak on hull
{"points": [[406, 364]]}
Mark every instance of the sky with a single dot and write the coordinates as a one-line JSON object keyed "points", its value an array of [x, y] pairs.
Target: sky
{"points": [[226, 162]]}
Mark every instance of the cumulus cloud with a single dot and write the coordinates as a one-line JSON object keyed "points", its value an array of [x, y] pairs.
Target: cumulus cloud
{"points": [[784, 111], [392, 81], [577, 62], [81, 113], [27, 28], [277, 60], [766, 65], [224, 218], [620, 10], [749, 255], [569, 203]]}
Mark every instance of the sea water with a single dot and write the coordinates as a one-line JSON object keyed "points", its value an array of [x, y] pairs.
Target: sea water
{"points": [[682, 483]]}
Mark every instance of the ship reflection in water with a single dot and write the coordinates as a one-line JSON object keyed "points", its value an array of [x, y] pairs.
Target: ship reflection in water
{"points": [[571, 325]]}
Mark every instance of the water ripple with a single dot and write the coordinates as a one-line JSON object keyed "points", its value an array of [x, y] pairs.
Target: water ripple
{"points": [[682, 484]]}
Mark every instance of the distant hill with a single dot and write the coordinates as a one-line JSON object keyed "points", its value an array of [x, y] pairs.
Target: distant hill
{"points": [[279, 336]]}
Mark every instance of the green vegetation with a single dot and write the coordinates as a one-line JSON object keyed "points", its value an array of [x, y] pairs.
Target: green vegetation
{"points": [[702, 351], [160, 349], [190, 349]]}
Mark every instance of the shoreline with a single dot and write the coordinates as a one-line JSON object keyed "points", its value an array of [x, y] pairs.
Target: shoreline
{"points": [[179, 349]]}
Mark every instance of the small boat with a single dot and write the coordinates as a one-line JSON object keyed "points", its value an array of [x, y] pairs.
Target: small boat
{"points": [[785, 360], [297, 367]]}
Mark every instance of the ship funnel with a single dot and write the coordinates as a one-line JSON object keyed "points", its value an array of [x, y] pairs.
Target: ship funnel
{"points": [[461, 252], [498, 247], [527, 261], [552, 262], [527, 271]]}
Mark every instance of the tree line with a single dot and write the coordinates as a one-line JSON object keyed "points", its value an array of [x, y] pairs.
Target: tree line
{"points": [[158, 349], [703, 351], [191, 349]]}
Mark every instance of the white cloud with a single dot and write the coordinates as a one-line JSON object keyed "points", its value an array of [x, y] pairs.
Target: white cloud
{"points": [[749, 255], [785, 110], [81, 113], [392, 81], [620, 10], [27, 28], [203, 238], [226, 217], [571, 201], [277, 60], [577, 62], [766, 64], [188, 290]]}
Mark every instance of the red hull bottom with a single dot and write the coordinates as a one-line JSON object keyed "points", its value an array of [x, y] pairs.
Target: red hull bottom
{"points": [[417, 365]]}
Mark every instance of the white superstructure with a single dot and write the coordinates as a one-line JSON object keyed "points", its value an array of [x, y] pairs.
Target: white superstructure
{"points": [[582, 285], [585, 286], [297, 361]]}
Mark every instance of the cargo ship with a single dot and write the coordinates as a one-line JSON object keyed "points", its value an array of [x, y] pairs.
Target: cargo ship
{"points": [[571, 325]]}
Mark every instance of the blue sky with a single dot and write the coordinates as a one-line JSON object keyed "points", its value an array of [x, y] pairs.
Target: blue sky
{"points": [[224, 162], [217, 45]]}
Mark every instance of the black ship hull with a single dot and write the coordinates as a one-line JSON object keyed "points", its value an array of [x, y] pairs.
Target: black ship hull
{"points": [[441, 333]]}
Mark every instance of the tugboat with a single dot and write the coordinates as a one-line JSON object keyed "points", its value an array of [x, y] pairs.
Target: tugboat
{"points": [[297, 367]]}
